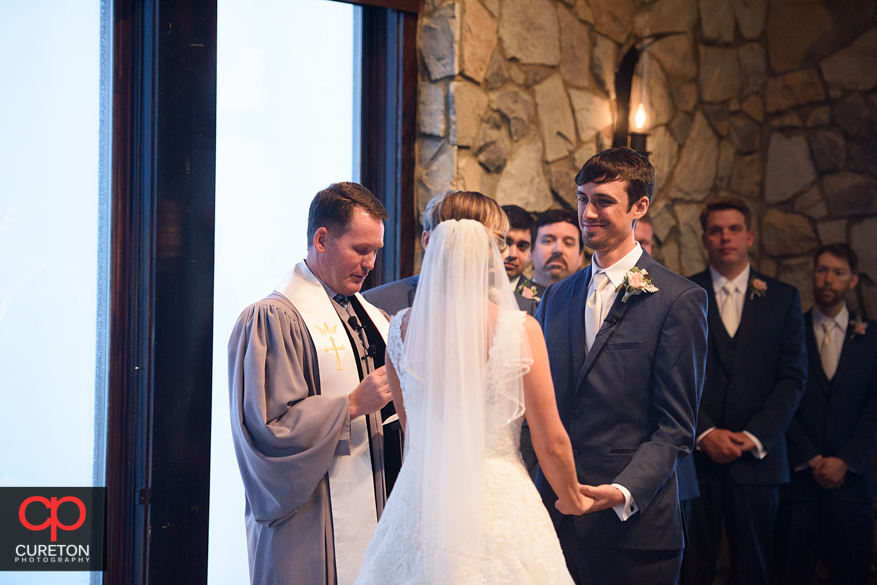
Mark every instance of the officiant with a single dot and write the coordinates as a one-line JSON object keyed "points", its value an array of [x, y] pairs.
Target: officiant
{"points": [[307, 383]]}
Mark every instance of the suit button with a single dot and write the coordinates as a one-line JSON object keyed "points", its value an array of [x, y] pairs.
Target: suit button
{"points": [[577, 413]]}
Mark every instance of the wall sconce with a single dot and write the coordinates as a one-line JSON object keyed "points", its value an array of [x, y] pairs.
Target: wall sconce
{"points": [[639, 136], [631, 82]]}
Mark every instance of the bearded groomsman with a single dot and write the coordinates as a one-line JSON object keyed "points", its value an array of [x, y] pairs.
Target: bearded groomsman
{"points": [[755, 375], [627, 344], [828, 507]]}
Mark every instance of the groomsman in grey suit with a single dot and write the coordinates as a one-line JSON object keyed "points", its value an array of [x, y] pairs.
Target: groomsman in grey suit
{"points": [[395, 296], [627, 344], [829, 505], [755, 376]]}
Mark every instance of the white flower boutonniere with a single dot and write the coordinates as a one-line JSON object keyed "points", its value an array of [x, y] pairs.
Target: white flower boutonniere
{"points": [[636, 282], [857, 326], [757, 288]]}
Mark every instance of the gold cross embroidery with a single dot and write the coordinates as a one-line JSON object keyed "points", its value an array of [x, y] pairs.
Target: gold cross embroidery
{"points": [[336, 349]]}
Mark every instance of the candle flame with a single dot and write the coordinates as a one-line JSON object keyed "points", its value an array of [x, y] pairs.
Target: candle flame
{"points": [[640, 117]]}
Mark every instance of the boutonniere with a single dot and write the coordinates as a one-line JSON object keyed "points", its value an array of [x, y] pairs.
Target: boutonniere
{"points": [[529, 292], [636, 282], [757, 288], [858, 326]]}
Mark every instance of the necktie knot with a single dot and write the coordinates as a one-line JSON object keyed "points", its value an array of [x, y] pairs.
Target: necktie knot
{"points": [[730, 288], [828, 325], [600, 281], [341, 300]]}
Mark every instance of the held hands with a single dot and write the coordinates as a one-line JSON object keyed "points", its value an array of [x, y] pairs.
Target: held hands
{"points": [[593, 499], [372, 394], [724, 446], [829, 472]]}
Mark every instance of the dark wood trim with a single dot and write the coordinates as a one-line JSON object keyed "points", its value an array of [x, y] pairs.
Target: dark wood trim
{"points": [[413, 6], [164, 156], [129, 355], [389, 96], [408, 125]]}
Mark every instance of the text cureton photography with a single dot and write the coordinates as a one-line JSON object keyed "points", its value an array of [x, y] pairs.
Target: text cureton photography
{"points": [[52, 528]]}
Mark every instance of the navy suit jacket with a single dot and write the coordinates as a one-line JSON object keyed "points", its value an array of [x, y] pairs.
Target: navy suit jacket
{"points": [[629, 405], [754, 382], [837, 418], [395, 296]]}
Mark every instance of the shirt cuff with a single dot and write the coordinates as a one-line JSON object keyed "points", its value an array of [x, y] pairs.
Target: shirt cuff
{"points": [[629, 507], [758, 452], [701, 436]]}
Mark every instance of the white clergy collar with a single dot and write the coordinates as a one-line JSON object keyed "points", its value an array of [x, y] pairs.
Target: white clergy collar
{"points": [[616, 272]]}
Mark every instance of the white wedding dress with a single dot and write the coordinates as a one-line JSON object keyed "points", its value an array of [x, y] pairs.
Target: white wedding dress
{"points": [[471, 515]]}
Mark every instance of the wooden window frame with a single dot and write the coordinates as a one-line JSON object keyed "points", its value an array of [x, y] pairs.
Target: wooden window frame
{"points": [[161, 320]]}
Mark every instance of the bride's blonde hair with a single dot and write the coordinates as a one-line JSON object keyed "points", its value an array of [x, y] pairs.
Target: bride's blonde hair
{"points": [[469, 205]]}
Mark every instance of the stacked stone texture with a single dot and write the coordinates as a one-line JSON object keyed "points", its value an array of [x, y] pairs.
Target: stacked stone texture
{"points": [[774, 101]]}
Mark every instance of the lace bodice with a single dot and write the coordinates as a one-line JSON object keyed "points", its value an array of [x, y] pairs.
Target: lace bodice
{"points": [[503, 364], [519, 544]]}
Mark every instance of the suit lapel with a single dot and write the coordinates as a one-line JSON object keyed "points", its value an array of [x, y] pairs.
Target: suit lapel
{"points": [[845, 359], [610, 323], [576, 323], [816, 371]]}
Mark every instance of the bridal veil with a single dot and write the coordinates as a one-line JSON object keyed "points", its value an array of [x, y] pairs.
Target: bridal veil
{"points": [[462, 299]]}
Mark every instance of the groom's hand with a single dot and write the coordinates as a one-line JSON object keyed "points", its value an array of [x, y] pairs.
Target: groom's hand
{"points": [[602, 497]]}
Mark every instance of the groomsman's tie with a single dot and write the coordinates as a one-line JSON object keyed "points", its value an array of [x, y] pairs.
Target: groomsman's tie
{"points": [[828, 351], [594, 309], [729, 310]]}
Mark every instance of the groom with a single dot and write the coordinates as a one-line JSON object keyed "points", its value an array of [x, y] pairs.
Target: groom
{"points": [[627, 344]]}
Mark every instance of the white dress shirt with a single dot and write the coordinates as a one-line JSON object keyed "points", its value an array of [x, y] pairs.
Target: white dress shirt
{"points": [[741, 281], [515, 282], [615, 274], [841, 322]]}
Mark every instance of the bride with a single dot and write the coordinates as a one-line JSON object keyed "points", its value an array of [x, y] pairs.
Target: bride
{"points": [[464, 366]]}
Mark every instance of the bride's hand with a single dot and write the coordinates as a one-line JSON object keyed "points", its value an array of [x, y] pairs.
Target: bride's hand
{"points": [[581, 504]]}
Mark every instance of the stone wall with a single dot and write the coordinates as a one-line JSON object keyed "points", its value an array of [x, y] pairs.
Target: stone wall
{"points": [[775, 101]]}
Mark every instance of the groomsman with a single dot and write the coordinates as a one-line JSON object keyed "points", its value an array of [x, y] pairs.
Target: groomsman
{"points": [[520, 247], [829, 505], [755, 375], [627, 345]]}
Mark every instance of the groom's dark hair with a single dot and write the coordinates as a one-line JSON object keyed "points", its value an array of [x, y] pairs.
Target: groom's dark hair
{"points": [[620, 164], [333, 207]]}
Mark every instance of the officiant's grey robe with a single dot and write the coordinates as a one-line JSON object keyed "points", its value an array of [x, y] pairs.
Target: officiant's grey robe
{"points": [[285, 436]]}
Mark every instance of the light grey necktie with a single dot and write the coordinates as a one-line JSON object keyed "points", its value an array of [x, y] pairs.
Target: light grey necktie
{"points": [[594, 309], [828, 350], [729, 310]]}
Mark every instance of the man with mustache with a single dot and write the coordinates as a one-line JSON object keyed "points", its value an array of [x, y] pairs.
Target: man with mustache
{"points": [[557, 249], [829, 504]]}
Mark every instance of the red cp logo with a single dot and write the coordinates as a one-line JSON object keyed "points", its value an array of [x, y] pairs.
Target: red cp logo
{"points": [[51, 505]]}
